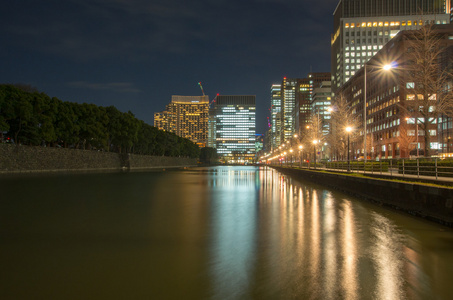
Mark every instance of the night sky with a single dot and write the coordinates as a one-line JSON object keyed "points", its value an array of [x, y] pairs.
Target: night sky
{"points": [[135, 54]]}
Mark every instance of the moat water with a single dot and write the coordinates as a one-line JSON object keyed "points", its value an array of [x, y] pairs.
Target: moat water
{"points": [[211, 233]]}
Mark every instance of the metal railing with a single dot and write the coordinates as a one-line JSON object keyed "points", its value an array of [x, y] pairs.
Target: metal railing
{"points": [[420, 167]]}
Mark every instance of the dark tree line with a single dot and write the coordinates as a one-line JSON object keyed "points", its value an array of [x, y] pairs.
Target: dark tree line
{"points": [[29, 117]]}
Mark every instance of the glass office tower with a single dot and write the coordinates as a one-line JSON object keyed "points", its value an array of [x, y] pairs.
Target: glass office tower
{"points": [[363, 27], [235, 128]]}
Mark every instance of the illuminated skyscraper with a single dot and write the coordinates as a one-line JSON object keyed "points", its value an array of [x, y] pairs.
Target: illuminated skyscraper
{"points": [[234, 119], [276, 115], [362, 27], [296, 104], [187, 117]]}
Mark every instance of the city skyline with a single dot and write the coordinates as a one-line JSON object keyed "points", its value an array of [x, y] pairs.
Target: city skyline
{"points": [[136, 54]]}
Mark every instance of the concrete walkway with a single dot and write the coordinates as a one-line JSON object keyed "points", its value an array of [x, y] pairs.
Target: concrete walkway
{"points": [[392, 173]]}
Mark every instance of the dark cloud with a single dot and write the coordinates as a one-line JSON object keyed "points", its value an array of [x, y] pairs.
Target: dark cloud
{"points": [[151, 49], [120, 87]]}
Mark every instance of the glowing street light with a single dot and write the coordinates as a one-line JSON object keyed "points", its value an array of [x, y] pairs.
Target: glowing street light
{"points": [[291, 151], [300, 156], [314, 151], [386, 67]]}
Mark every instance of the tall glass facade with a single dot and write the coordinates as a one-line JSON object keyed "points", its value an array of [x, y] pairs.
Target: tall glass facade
{"points": [[363, 27], [235, 128], [276, 108]]}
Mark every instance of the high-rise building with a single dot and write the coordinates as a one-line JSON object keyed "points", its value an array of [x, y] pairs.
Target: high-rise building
{"points": [[296, 105], [321, 103], [187, 117], [289, 87], [234, 119], [394, 103], [276, 109], [305, 110], [362, 27]]}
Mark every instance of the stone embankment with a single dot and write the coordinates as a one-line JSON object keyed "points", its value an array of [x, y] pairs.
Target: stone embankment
{"points": [[26, 159], [431, 202]]}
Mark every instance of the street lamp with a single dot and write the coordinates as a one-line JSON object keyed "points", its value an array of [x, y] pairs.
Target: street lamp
{"points": [[386, 67], [314, 151], [348, 130], [300, 156], [291, 151]]}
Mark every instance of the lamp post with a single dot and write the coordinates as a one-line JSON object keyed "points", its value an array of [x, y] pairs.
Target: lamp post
{"points": [[386, 67], [314, 151], [348, 130], [300, 156], [291, 151]]}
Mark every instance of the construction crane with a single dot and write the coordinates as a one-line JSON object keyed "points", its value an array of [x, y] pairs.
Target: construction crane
{"points": [[213, 100], [201, 87]]}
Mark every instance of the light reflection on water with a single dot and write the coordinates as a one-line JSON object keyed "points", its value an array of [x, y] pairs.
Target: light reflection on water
{"points": [[211, 233]]}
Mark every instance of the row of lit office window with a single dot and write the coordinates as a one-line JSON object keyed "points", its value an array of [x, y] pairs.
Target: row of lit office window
{"points": [[391, 23]]}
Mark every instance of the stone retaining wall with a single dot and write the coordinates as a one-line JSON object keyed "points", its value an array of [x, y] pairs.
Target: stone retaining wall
{"points": [[26, 159], [434, 203]]}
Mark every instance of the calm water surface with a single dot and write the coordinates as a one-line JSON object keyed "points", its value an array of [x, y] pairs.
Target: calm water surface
{"points": [[211, 233]]}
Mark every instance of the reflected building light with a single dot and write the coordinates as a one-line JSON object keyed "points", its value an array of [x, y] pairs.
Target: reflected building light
{"points": [[315, 245], [387, 261], [330, 248], [349, 246]]}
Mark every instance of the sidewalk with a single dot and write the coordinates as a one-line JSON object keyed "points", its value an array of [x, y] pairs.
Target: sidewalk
{"points": [[392, 173]]}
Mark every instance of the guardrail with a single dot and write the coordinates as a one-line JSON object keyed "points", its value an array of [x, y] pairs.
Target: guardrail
{"points": [[433, 168]]}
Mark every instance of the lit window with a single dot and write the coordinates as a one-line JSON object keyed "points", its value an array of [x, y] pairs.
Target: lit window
{"points": [[409, 23], [375, 24], [368, 24], [403, 23], [381, 24], [363, 24], [386, 23], [346, 25]]}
